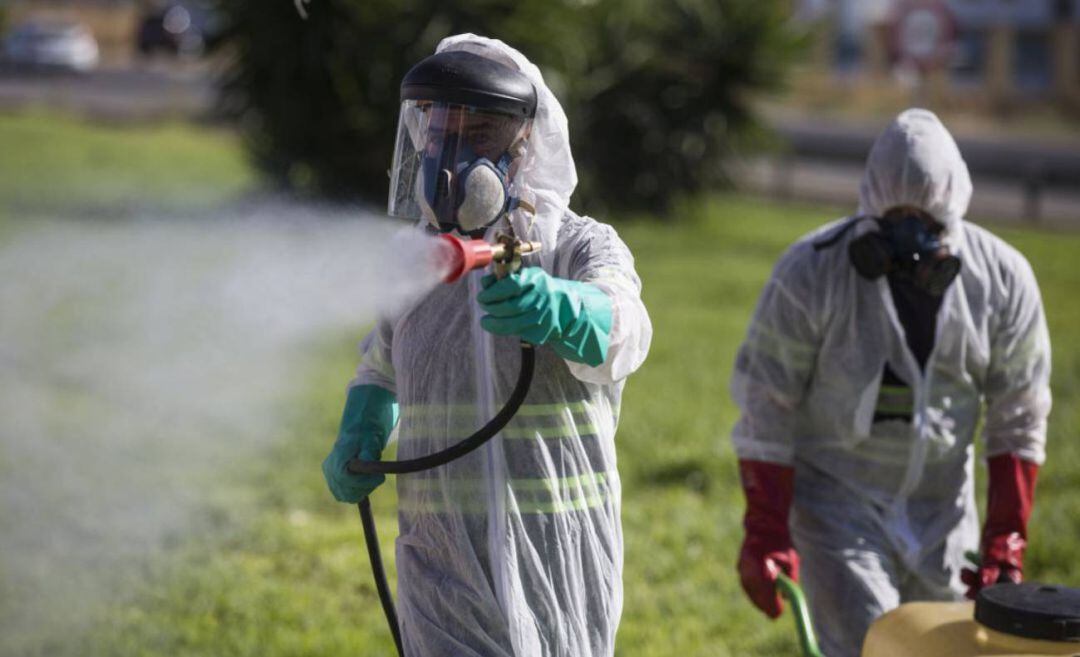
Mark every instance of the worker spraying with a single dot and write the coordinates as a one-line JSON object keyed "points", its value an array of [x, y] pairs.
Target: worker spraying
{"points": [[876, 346], [514, 548]]}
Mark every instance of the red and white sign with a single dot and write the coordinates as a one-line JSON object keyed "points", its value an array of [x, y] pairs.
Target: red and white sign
{"points": [[923, 33]]}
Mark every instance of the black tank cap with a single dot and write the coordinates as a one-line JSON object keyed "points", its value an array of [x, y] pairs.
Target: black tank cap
{"points": [[465, 78], [1031, 611]]}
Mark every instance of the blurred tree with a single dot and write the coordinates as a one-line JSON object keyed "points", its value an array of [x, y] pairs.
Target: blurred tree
{"points": [[665, 93], [655, 92], [318, 97]]}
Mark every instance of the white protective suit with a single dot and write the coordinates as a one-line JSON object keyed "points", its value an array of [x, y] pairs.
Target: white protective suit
{"points": [[884, 511], [515, 549]]}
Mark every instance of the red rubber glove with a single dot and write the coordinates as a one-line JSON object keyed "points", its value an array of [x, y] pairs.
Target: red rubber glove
{"points": [[1004, 537], [767, 548]]}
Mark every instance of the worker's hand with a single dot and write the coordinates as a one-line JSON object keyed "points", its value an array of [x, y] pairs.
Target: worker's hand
{"points": [[1002, 561], [526, 303], [572, 316], [369, 417], [345, 486], [1004, 538], [759, 565], [767, 549]]}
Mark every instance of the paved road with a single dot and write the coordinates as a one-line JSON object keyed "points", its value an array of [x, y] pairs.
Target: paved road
{"points": [[837, 183], [1017, 178], [1054, 161], [120, 94]]}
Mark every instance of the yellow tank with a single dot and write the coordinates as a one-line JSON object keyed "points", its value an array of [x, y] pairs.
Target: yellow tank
{"points": [[949, 629]]}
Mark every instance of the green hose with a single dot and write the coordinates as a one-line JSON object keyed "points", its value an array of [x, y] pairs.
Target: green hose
{"points": [[792, 592]]}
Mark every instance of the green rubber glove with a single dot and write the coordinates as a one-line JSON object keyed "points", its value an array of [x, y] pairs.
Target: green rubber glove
{"points": [[574, 318], [370, 415]]}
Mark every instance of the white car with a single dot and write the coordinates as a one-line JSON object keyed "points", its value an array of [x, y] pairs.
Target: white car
{"points": [[68, 46]]}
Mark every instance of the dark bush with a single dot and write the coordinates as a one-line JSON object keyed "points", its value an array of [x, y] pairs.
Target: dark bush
{"points": [[665, 93], [656, 91]]}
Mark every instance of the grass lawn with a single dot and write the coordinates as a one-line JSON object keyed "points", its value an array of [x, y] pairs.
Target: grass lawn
{"points": [[285, 572], [51, 163]]}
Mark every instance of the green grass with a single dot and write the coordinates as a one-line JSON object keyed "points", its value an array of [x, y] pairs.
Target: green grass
{"points": [[286, 574], [51, 162]]}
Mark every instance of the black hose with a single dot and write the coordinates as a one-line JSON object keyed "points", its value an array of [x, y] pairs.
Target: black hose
{"points": [[455, 451], [371, 537]]}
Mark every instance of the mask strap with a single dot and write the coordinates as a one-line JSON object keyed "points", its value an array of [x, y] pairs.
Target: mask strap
{"points": [[516, 203], [831, 240]]}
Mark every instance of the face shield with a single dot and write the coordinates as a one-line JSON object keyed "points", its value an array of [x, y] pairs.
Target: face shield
{"points": [[464, 122], [453, 164]]}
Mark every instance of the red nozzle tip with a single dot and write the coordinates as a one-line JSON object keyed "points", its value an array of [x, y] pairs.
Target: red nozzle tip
{"points": [[462, 256]]}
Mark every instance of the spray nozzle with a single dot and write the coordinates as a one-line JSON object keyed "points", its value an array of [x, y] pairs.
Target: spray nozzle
{"points": [[462, 256]]}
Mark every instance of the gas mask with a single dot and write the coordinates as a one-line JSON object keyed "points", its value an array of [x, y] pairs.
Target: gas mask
{"points": [[460, 190], [464, 122], [907, 247]]}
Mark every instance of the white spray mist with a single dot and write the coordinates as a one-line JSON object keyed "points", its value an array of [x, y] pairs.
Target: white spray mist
{"points": [[128, 349]]}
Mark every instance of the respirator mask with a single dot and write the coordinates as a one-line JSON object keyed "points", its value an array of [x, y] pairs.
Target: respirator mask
{"points": [[464, 123], [906, 246]]}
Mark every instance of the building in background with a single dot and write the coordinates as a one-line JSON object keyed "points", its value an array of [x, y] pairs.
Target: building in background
{"points": [[997, 52]]}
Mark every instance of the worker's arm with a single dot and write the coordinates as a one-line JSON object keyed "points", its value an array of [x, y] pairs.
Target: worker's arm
{"points": [[774, 365], [571, 317], [1017, 406], [1017, 388], [604, 261], [370, 413], [772, 370], [589, 310]]}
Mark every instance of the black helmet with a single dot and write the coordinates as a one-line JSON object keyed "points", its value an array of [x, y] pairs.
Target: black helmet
{"points": [[464, 78]]}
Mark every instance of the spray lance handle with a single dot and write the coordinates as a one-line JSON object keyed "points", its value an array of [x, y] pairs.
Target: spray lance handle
{"points": [[462, 256]]}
